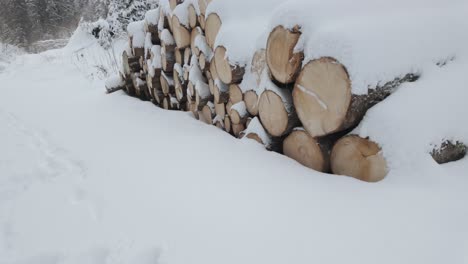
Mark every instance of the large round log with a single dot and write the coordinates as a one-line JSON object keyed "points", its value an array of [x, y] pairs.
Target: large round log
{"points": [[212, 27], [282, 59], [324, 100], [277, 112], [449, 151], [311, 152], [359, 158], [227, 72]]}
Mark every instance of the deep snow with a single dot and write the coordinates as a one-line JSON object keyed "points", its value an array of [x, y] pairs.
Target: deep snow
{"points": [[87, 177]]}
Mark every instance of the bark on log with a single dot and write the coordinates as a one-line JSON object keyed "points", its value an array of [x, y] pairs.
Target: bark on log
{"points": [[449, 151], [277, 112], [324, 100], [212, 27], [359, 158], [311, 152], [283, 61], [226, 72], [158, 97], [168, 59]]}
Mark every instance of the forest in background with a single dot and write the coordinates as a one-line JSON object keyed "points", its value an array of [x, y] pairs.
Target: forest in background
{"points": [[23, 22]]}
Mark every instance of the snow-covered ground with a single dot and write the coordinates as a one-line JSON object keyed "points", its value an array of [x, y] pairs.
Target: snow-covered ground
{"points": [[92, 178]]}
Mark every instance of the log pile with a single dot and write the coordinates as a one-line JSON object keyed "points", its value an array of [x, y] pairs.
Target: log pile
{"points": [[304, 112]]}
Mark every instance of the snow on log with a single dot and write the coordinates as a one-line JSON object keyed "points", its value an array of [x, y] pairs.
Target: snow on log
{"points": [[202, 94], [238, 113], [114, 84], [283, 60], [255, 131], [359, 158], [151, 25], [179, 82], [137, 35], [324, 99], [174, 3], [220, 92], [192, 15], [180, 26], [276, 110], [167, 84], [449, 151], [227, 72], [130, 64], [208, 112]]}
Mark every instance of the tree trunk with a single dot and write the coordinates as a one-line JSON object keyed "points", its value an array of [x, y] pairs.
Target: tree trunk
{"points": [[359, 158], [284, 62], [324, 100], [226, 72]]}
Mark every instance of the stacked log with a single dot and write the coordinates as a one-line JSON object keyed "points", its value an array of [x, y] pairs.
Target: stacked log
{"points": [[301, 108]]}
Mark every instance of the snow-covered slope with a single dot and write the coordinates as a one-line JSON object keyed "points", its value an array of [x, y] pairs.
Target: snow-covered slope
{"points": [[91, 178]]}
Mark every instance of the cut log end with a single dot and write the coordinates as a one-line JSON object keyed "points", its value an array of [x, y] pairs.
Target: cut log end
{"points": [[251, 101], [358, 158], [226, 72], [322, 96], [212, 27], [306, 150], [276, 119], [284, 62]]}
